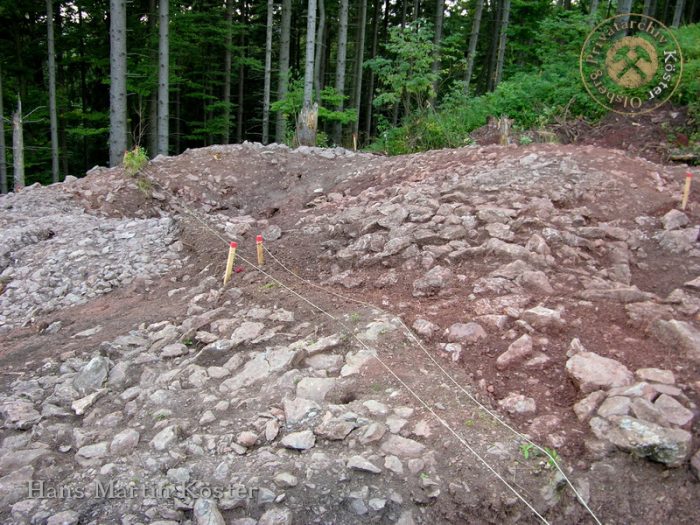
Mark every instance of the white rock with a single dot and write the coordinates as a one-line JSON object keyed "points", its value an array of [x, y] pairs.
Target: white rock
{"points": [[315, 388], [124, 442], [592, 372], [361, 464], [303, 440], [674, 219], [516, 403], [206, 512], [166, 438], [518, 350]]}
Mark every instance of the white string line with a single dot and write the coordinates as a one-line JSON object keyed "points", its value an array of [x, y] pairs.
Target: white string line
{"points": [[413, 337], [362, 343], [408, 388]]}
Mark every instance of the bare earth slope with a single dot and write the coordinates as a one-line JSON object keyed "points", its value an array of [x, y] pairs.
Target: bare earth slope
{"points": [[405, 302]]}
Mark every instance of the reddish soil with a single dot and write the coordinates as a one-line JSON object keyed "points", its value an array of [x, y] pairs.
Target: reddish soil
{"points": [[281, 190]]}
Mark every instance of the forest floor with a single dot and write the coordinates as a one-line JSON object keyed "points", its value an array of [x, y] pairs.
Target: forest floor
{"points": [[419, 320]]}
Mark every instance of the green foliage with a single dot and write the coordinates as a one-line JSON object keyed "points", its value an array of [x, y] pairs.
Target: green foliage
{"points": [[688, 91], [355, 317], [540, 68], [528, 450], [405, 75], [291, 105], [134, 161], [553, 457], [144, 186], [531, 98]]}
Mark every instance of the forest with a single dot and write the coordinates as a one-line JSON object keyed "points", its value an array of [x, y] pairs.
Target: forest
{"points": [[86, 80]]}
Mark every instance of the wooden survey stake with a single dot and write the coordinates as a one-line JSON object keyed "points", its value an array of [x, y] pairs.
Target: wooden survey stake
{"points": [[233, 246], [686, 190], [261, 254]]}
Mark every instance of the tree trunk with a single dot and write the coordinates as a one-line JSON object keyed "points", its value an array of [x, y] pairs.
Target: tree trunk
{"points": [[678, 13], [153, 97], [502, 43], [497, 10], [318, 54], [18, 147], [404, 9], [340, 67], [21, 69], [473, 40], [117, 87], [53, 115], [624, 7], [306, 123], [3, 158], [593, 12], [178, 130], [439, 14], [325, 53], [283, 80], [268, 74], [310, 48], [83, 85], [227, 71], [416, 9], [163, 78], [241, 77], [373, 53], [60, 81], [358, 64]]}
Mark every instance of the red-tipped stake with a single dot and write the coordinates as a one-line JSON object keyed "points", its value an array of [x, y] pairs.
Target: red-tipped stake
{"points": [[233, 246], [261, 254], [686, 190]]}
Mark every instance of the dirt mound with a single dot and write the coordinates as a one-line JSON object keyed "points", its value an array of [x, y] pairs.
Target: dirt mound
{"points": [[553, 285], [658, 136]]}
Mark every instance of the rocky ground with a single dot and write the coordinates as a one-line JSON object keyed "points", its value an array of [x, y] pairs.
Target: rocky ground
{"points": [[444, 309]]}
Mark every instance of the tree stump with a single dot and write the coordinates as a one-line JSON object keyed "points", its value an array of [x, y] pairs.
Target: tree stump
{"points": [[504, 124], [307, 123]]}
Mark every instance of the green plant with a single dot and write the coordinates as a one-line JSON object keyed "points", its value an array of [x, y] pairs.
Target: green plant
{"points": [[687, 93], [525, 140], [528, 450], [268, 286], [291, 105], [552, 457], [406, 78], [355, 317], [144, 186], [134, 161], [188, 341], [533, 96]]}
